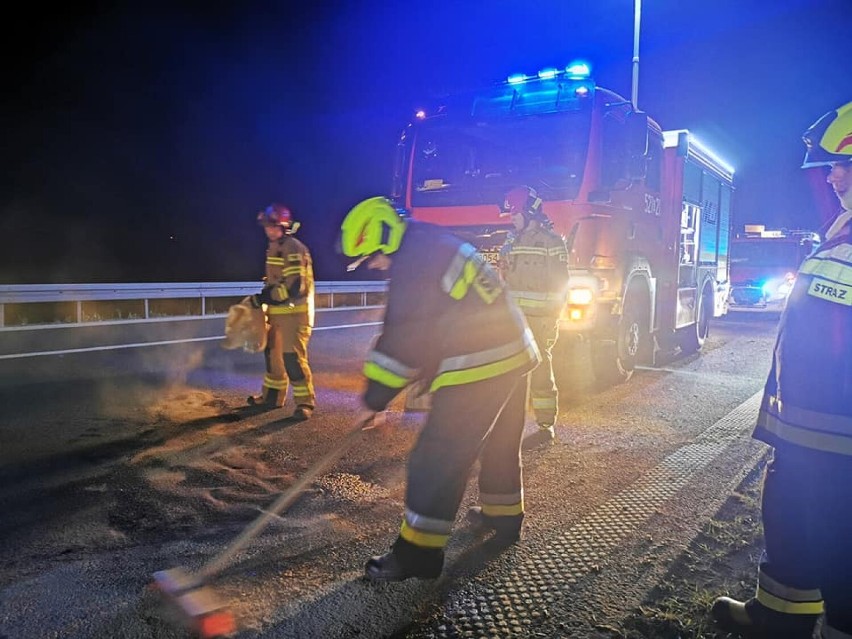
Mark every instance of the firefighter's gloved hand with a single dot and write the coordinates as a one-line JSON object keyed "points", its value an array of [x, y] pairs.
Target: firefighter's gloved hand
{"points": [[264, 297]]}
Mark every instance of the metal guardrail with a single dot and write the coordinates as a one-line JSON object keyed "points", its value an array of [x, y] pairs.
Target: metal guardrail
{"points": [[83, 304]]}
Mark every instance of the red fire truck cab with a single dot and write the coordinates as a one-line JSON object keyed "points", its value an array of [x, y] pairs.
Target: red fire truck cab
{"points": [[764, 264], [646, 212]]}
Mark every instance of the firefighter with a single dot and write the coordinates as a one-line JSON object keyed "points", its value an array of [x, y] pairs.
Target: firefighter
{"points": [[289, 297], [806, 416], [534, 265], [450, 326]]}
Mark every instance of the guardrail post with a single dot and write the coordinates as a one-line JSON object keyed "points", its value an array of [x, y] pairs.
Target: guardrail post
{"points": [[2, 315], [146, 307], [203, 306], [79, 311]]}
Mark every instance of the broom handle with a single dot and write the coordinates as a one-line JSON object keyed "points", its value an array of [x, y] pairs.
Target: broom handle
{"points": [[284, 500]]}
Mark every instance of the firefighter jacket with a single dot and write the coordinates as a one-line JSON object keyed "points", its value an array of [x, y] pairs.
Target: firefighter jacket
{"points": [[807, 401], [289, 278], [448, 320], [534, 264]]}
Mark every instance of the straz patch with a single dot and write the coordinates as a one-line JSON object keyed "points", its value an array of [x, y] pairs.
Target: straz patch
{"points": [[831, 291]]}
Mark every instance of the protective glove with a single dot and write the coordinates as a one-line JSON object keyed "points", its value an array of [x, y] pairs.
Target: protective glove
{"points": [[264, 297]]}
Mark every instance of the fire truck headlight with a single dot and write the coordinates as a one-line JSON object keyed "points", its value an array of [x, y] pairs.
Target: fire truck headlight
{"points": [[575, 314], [778, 288], [580, 296]]}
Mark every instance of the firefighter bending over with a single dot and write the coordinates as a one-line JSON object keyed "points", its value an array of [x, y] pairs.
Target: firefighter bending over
{"points": [[806, 416], [534, 265], [448, 325], [289, 298]]}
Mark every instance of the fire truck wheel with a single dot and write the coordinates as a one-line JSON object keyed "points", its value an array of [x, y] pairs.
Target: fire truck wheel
{"points": [[613, 361], [692, 338]]}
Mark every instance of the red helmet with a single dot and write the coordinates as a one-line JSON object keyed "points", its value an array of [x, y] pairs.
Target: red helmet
{"points": [[523, 199], [275, 215]]}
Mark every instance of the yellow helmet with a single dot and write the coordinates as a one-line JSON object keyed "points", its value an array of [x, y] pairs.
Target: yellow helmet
{"points": [[371, 226], [829, 139]]}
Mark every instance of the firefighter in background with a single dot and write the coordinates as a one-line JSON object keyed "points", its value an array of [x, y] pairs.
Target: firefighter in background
{"points": [[534, 265], [449, 325], [289, 298], [806, 416]]}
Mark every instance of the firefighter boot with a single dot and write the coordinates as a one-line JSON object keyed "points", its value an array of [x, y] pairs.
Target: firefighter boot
{"points": [[302, 413], [543, 436], [256, 403], [405, 560], [507, 529], [754, 620]]}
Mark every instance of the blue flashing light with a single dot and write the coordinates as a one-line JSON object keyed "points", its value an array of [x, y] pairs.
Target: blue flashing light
{"points": [[420, 114], [578, 70], [516, 78], [548, 74], [581, 91]]}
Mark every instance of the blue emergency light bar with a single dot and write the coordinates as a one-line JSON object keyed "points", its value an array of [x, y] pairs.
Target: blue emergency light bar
{"points": [[577, 70]]}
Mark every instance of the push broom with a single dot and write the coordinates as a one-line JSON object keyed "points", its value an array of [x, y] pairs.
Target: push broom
{"points": [[188, 594]]}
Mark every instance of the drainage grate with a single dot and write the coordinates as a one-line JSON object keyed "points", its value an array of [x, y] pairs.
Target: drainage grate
{"points": [[515, 602]]}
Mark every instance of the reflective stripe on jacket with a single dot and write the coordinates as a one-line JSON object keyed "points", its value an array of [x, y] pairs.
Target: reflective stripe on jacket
{"points": [[807, 401], [290, 278], [448, 320], [535, 267]]}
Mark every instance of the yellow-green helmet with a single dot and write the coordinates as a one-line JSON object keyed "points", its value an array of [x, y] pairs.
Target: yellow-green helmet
{"points": [[829, 139], [371, 226]]}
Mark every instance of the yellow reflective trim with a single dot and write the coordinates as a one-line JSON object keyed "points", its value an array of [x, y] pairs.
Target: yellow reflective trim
{"points": [[283, 293], [543, 403], [789, 607], [529, 250], [294, 257], [275, 261], [277, 384], [286, 309], [422, 539], [831, 291], [836, 271], [462, 284], [291, 270], [485, 371], [383, 376], [495, 510]]}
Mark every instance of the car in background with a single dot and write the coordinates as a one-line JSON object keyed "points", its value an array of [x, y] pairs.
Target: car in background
{"points": [[764, 265]]}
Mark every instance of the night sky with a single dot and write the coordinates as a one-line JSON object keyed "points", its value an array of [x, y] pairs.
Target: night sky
{"points": [[140, 139]]}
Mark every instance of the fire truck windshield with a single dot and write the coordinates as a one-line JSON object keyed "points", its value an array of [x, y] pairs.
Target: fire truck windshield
{"points": [[476, 162], [762, 252]]}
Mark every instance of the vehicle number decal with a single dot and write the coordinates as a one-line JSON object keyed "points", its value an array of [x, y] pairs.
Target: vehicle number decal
{"points": [[492, 257], [652, 204]]}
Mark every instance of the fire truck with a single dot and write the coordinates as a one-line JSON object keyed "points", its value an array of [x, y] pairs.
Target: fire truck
{"points": [[645, 212], [764, 265]]}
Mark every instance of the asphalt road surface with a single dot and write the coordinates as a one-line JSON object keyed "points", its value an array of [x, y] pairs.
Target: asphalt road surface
{"points": [[107, 478]]}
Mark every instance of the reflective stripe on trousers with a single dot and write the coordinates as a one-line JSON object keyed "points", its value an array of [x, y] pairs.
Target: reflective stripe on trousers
{"points": [[464, 422]]}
